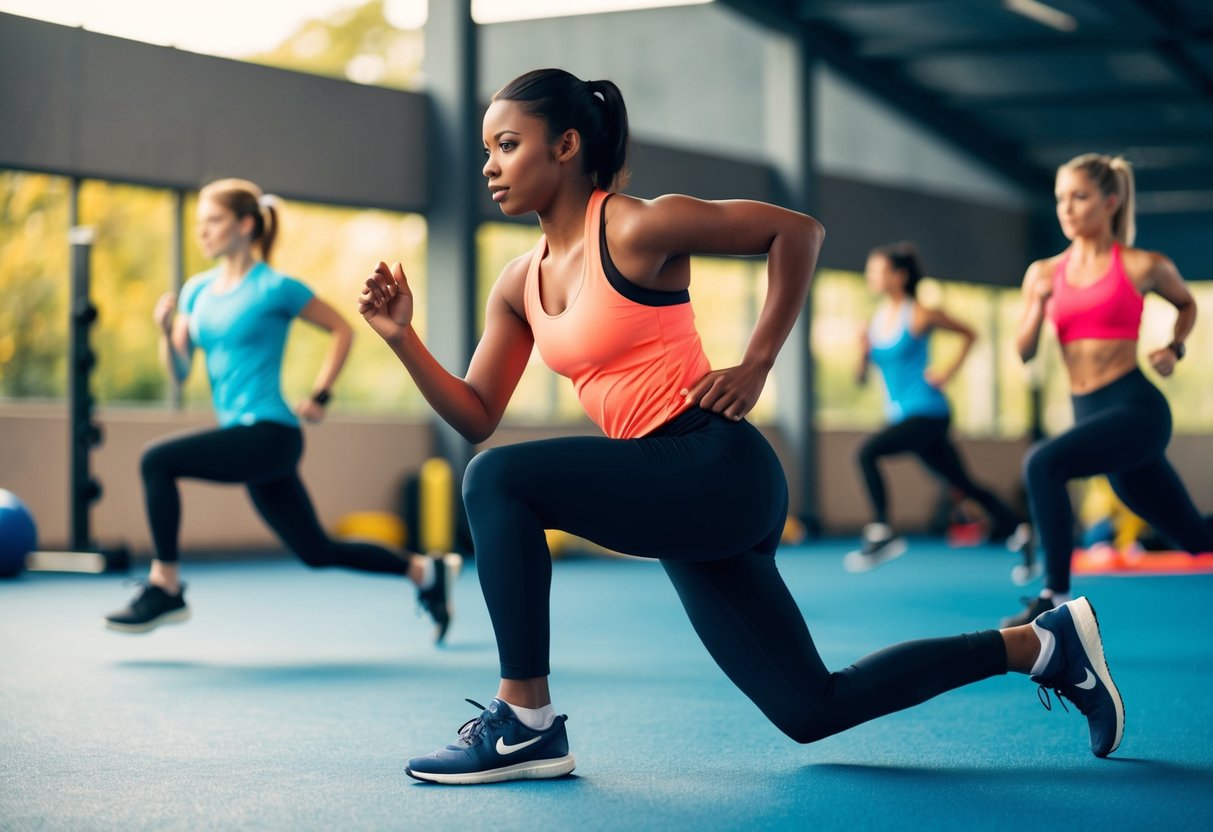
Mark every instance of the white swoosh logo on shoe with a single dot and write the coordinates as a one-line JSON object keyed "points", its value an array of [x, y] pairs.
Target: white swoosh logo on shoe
{"points": [[503, 748], [1085, 684]]}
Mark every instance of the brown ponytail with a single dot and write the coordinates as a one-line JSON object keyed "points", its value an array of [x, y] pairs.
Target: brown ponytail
{"points": [[245, 199]]}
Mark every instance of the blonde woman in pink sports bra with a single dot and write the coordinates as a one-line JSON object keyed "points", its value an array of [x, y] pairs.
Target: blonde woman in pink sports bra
{"points": [[1093, 293], [679, 474]]}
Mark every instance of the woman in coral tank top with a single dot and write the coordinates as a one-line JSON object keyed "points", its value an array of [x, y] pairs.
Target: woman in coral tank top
{"points": [[680, 475], [1093, 292]]}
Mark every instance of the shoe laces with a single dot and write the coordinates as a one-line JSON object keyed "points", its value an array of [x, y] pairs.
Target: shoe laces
{"points": [[1042, 693], [473, 728]]}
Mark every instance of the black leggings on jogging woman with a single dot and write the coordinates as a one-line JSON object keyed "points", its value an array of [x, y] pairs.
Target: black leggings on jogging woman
{"points": [[264, 456], [1121, 430], [706, 496]]}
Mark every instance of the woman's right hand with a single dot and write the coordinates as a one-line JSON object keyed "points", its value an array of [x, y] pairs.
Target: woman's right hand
{"points": [[386, 302], [166, 307]]}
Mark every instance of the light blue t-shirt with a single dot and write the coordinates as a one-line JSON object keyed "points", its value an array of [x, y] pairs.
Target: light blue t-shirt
{"points": [[243, 333], [902, 359]]}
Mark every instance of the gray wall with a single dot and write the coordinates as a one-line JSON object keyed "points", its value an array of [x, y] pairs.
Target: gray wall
{"points": [[78, 103]]}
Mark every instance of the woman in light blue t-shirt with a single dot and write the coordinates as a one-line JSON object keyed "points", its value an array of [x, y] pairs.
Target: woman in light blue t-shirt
{"points": [[918, 413], [238, 314]]}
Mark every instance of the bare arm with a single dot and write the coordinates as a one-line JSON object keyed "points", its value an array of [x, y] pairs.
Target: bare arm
{"points": [[323, 315], [176, 348], [1164, 279], [473, 405], [938, 319], [1037, 287], [658, 230], [865, 357]]}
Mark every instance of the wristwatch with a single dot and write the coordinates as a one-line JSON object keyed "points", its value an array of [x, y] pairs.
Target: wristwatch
{"points": [[1178, 348], [322, 397]]}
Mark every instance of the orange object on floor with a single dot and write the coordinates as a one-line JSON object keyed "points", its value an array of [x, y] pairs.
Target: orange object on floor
{"points": [[1105, 560]]}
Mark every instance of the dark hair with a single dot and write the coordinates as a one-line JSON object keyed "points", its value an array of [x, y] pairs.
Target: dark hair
{"points": [[595, 109], [244, 199], [1112, 175], [904, 258]]}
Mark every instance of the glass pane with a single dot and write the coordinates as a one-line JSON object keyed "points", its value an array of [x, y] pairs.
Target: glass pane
{"points": [[34, 282], [131, 268], [842, 307]]}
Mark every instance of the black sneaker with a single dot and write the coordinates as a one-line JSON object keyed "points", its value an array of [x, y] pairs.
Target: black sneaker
{"points": [[1033, 607], [437, 599], [151, 608], [1078, 671], [880, 545]]}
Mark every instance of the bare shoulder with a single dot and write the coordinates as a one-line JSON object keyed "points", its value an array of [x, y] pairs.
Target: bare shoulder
{"points": [[1146, 267], [1042, 269], [511, 283]]}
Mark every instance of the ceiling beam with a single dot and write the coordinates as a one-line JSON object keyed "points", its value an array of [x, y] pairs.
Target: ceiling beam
{"points": [[975, 138]]}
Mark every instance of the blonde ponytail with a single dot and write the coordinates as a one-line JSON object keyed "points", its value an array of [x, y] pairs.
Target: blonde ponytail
{"points": [[1112, 175]]}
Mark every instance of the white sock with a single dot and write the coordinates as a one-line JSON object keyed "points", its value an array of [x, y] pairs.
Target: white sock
{"points": [[1047, 643], [537, 719], [429, 570], [1060, 598]]}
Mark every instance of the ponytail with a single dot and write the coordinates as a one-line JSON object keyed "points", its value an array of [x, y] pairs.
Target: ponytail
{"points": [[903, 257], [245, 199], [595, 109], [1112, 175]]}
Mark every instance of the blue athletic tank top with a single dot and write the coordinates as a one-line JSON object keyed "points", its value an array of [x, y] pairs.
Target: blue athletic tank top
{"points": [[243, 333], [902, 359]]}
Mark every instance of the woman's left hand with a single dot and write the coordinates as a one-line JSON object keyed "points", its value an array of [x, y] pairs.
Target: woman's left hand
{"points": [[309, 410], [731, 392], [936, 378], [1163, 361]]}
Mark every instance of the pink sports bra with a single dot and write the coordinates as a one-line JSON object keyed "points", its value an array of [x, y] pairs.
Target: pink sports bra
{"points": [[1108, 309]]}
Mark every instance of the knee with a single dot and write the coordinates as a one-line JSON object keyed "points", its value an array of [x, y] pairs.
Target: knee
{"points": [[805, 728], [867, 455], [485, 477], [315, 557], [153, 465], [1038, 464]]}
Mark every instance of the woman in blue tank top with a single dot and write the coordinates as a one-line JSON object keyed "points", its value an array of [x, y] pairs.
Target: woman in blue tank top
{"points": [[918, 413], [238, 314]]}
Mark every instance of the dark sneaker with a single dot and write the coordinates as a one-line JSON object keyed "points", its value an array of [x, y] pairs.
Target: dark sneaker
{"points": [[436, 600], [1078, 671], [880, 545], [151, 608], [1032, 608], [496, 746]]}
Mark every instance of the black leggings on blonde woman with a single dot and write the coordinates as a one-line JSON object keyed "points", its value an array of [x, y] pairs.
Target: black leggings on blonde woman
{"points": [[1121, 430], [264, 457], [707, 497]]}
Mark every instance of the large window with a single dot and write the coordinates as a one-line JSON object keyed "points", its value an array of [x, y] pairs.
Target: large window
{"points": [[330, 249], [33, 285], [725, 294]]}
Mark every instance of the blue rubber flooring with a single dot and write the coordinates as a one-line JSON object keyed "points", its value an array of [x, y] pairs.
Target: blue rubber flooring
{"points": [[292, 698]]}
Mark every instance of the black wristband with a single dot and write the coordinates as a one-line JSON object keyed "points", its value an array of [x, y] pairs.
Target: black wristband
{"points": [[322, 397], [1178, 348]]}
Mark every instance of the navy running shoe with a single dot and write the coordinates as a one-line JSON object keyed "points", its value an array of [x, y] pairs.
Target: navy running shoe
{"points": [[496, 746], [1078, 671], [880, 545]]}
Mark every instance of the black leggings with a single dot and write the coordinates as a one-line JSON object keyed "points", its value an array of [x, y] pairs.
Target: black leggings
{"points": [[927, 438], [1122, 430], [264, 457], [707, 496]]}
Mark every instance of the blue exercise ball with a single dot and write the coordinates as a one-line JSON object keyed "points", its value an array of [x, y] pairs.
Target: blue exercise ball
{"points": [[18, 534]]}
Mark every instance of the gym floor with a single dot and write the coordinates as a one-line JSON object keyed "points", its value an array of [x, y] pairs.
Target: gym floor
{"points": [[292, 698]]}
